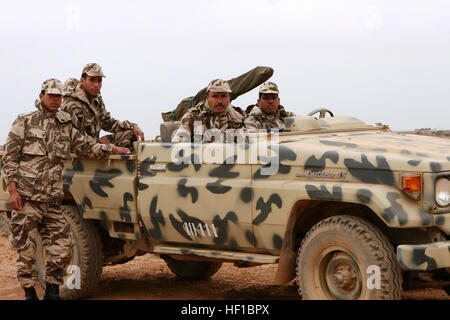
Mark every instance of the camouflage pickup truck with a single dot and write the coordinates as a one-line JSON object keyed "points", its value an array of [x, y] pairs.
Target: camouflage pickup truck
{"points": [[351, 211]]}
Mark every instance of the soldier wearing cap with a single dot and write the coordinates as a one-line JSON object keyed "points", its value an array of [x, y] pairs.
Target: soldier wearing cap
{"points": [[267, 113], [215, 112], [84, 102], [37, 145]]}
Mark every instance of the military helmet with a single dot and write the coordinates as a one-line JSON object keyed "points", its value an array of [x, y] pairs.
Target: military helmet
{"points": [[52, 86]]}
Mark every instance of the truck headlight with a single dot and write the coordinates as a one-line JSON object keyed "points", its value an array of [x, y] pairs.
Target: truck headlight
{"points": [[443, 192]]}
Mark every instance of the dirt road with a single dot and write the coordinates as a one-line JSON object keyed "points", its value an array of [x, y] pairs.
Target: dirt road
{"points": [[148, 277]]}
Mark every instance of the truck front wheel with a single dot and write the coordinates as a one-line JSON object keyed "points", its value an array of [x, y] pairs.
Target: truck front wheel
{"points": [[345, 258], [192, 270]]}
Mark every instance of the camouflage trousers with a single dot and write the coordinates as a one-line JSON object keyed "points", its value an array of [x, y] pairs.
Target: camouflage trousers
{"points": [[46, 220], [122, 139]]}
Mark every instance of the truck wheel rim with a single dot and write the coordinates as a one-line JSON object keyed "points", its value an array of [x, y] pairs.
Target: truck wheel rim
{"points": [[339, 274]]}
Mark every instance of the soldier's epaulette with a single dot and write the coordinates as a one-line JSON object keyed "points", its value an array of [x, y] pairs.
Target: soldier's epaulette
{"points": [[26, 115], [63, 117]]}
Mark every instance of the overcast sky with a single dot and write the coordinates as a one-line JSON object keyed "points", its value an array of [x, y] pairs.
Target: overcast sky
{"points": [[380, 61]]}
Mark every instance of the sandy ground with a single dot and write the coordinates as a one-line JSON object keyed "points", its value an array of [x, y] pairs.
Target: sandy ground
{"points": [[148, 277]]}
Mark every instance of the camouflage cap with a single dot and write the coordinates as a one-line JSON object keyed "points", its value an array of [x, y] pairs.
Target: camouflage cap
{"points": [[93, 70], [52, 86], [219, 85], [269, 87], [69, 86]]}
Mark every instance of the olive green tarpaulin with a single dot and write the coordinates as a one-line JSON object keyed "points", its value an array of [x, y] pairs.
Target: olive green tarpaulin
{"points": [[239, 85]]}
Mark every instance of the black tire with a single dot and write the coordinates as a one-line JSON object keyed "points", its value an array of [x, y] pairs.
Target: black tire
{"points": [[192, 270], [335, 262], [447, 290], [86, 254]]}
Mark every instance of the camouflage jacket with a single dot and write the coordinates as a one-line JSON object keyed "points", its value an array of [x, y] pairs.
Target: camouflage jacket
{"points": [[258, 119], [36, 148], [90, 117], [233, 118]]}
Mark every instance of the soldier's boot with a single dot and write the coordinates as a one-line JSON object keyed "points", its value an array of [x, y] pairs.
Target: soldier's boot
{"points": [[51, 292], [30, 294]]}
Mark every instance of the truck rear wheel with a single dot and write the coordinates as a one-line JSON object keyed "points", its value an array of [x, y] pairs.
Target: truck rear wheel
{"points": [[192, 270], [345, 257], [86, 255]]}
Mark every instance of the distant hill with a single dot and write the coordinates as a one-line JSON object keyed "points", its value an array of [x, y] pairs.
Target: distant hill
{"points": [[430, 132]]}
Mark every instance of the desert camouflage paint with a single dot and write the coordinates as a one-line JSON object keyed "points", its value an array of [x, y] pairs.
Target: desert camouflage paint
{"points": [[175, 200]]}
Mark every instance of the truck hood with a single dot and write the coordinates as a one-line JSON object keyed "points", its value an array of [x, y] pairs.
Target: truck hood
{"points": [[371, 149]]}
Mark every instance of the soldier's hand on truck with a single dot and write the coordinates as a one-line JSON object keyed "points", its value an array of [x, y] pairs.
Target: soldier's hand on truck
{"points": [[138, 132], [121, 150], [103, 140]]}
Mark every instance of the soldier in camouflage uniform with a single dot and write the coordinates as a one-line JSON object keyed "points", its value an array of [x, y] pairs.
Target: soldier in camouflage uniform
{"points": [[215, 112], [83, 101], [35, 150], [268, 113]]}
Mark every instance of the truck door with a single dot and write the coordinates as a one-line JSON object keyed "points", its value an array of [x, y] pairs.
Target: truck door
{"points": [[183, 198]]}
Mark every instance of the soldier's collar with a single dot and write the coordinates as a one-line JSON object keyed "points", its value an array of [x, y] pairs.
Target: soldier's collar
{"points": [[81, 94], [37, 104], [255, 110]]}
